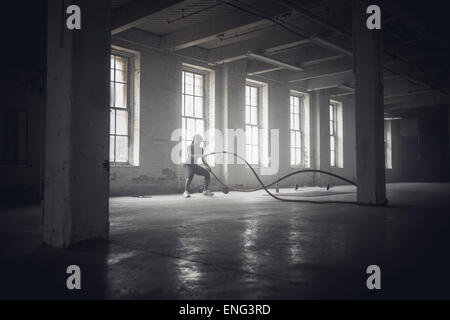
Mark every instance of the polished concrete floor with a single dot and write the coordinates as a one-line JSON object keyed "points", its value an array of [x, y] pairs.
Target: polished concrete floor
{"points": [[242, 246]]}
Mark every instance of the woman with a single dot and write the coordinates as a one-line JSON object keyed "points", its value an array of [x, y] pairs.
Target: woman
{"points": [[194, 152]]}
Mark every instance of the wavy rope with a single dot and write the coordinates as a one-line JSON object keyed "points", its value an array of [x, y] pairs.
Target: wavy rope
{"points": [[265, 187]]}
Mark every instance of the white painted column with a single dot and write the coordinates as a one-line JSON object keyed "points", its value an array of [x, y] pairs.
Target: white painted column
{"points": [[234, 76], [320, 134]]}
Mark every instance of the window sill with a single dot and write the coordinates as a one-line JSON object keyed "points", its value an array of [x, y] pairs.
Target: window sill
{"points": [[123, 165], [256, 166]]}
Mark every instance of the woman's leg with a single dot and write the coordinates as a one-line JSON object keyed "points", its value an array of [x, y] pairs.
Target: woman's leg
{"points": [[207, 180], [190, 175], [188, 183], [203, 172]]}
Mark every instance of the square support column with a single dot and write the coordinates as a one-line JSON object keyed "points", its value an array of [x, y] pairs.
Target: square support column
{"points": [[77, 125], [369, 107], [279, 119], [320, 134], [448, 104], [234, 81]]}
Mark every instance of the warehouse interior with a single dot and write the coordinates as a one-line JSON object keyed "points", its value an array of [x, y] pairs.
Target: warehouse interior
{"points": [[94, 121]]}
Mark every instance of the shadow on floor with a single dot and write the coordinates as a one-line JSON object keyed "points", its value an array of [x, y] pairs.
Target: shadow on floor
{"points": [[241, 246]]}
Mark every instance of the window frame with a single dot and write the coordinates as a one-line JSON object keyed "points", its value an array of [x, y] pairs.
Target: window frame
{"points": [[333, 135], [204, 118], [129, 106], [247, 122], [300, 130]]}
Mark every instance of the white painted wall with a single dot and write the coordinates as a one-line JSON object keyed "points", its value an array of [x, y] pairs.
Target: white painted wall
{"points": [[160, 99]]}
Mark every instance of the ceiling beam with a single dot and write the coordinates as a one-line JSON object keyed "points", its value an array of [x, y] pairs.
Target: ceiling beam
{"points": [[213, 28], [274, 62], [272, 42], [325, 43], [393, 7], [321, 60], [286, 46], [276, 65], [412, 103], [424, 97], [239, 50], [409, 93], [395, 87], [342, 94], [329, 45], [139, 37], [254, 73], [139, 11], [257, 67], [297, 7], [329, 81], [327, 69]]}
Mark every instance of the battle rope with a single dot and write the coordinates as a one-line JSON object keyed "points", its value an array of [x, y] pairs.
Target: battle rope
{"points": [[265, 187]]}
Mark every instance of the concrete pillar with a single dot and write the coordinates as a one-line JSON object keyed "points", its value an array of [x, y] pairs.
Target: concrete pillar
{"points": [[348, 123], [314, 134], [320, 133], [323, 101], [234, 76], [279, 119], [77, 125], [448, 105], [368, 65]]}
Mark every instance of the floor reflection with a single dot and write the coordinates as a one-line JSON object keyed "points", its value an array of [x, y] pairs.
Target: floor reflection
{"points": [[249, 250], [188, 271], [294, 248], [116, 258]]}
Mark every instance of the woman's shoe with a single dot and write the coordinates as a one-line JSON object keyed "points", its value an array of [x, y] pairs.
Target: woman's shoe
{"points": [[208, 193]]}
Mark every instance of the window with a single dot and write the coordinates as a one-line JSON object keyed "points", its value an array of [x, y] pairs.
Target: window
{"points": [[333, 134], [193, 110], [251, 124], [299, 130], [388, 144], [336, 135], [124, 107], [296, 135], [119, 110]]}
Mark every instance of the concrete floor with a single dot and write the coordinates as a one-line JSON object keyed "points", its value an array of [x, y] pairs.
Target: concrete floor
{"points": [[242, 246]]}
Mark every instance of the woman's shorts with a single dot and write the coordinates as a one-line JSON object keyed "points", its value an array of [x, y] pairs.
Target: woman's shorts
{"points": [[192, 169]]}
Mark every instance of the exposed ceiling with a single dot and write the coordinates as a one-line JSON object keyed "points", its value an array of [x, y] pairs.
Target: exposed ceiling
{"points": [[304, 42], [185, 16]]}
